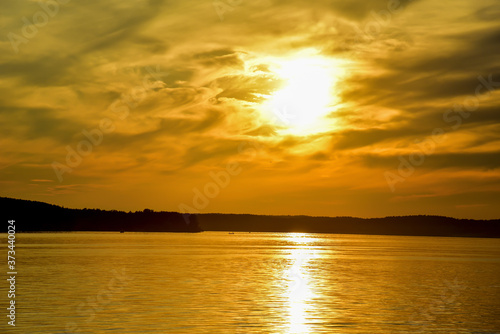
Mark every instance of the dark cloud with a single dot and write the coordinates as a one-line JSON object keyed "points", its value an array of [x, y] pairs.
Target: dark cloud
{"points": [[264, 130], [44, 71], [216, 150], [166, 100], [489, 13], [247, 88], [359, 138], [220, 58], [459, 161], [222, 61], [166, 128], [38, 123]]}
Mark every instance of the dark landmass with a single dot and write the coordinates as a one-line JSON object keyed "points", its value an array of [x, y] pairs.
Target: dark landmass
{"points": [[33, 216], [403, 225]]}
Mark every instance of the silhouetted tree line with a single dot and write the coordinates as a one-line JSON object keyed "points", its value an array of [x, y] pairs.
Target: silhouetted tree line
{"points": [[422, 225], [39, 216]]}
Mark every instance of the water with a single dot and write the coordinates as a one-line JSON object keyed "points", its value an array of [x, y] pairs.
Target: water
{"points": [[215, 282]]}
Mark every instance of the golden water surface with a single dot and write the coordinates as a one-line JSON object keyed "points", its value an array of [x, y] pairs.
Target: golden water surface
{"points": [[216, 282]]}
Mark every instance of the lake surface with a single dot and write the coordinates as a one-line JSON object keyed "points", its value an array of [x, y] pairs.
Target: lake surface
{"points": [[215, 282]]}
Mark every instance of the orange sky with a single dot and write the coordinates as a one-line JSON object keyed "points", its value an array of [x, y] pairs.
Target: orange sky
{"points": [[359, 108]]}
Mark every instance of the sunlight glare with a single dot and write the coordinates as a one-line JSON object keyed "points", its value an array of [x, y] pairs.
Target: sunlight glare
{"points": [[300, 292], [306, 97]]}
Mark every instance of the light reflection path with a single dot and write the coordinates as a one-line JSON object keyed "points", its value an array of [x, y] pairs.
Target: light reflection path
{"points": [[300, 291]]}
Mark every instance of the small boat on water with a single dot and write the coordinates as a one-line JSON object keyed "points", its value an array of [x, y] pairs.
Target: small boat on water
{"points": [[231, 232], [122, 231]]}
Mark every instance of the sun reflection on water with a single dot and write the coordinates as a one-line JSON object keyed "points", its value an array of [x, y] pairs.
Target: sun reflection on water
{"points": [[300, 291]]}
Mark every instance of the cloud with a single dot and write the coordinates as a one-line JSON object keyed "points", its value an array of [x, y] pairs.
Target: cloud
{"points": [[38, 123], [459, 161], [247, 88], [397, 74]]}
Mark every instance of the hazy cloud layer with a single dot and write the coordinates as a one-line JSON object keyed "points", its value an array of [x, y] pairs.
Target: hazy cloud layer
{"points": [[177, 90]]}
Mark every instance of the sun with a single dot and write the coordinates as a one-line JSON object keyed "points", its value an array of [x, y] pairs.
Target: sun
{"points": [[300, 106]]}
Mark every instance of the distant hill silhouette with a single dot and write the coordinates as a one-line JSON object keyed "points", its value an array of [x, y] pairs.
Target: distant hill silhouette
{"points": [[402, 225], [33, 216]]}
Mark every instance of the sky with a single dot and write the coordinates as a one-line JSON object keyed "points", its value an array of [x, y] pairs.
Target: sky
{"points": [[324, 108]]}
